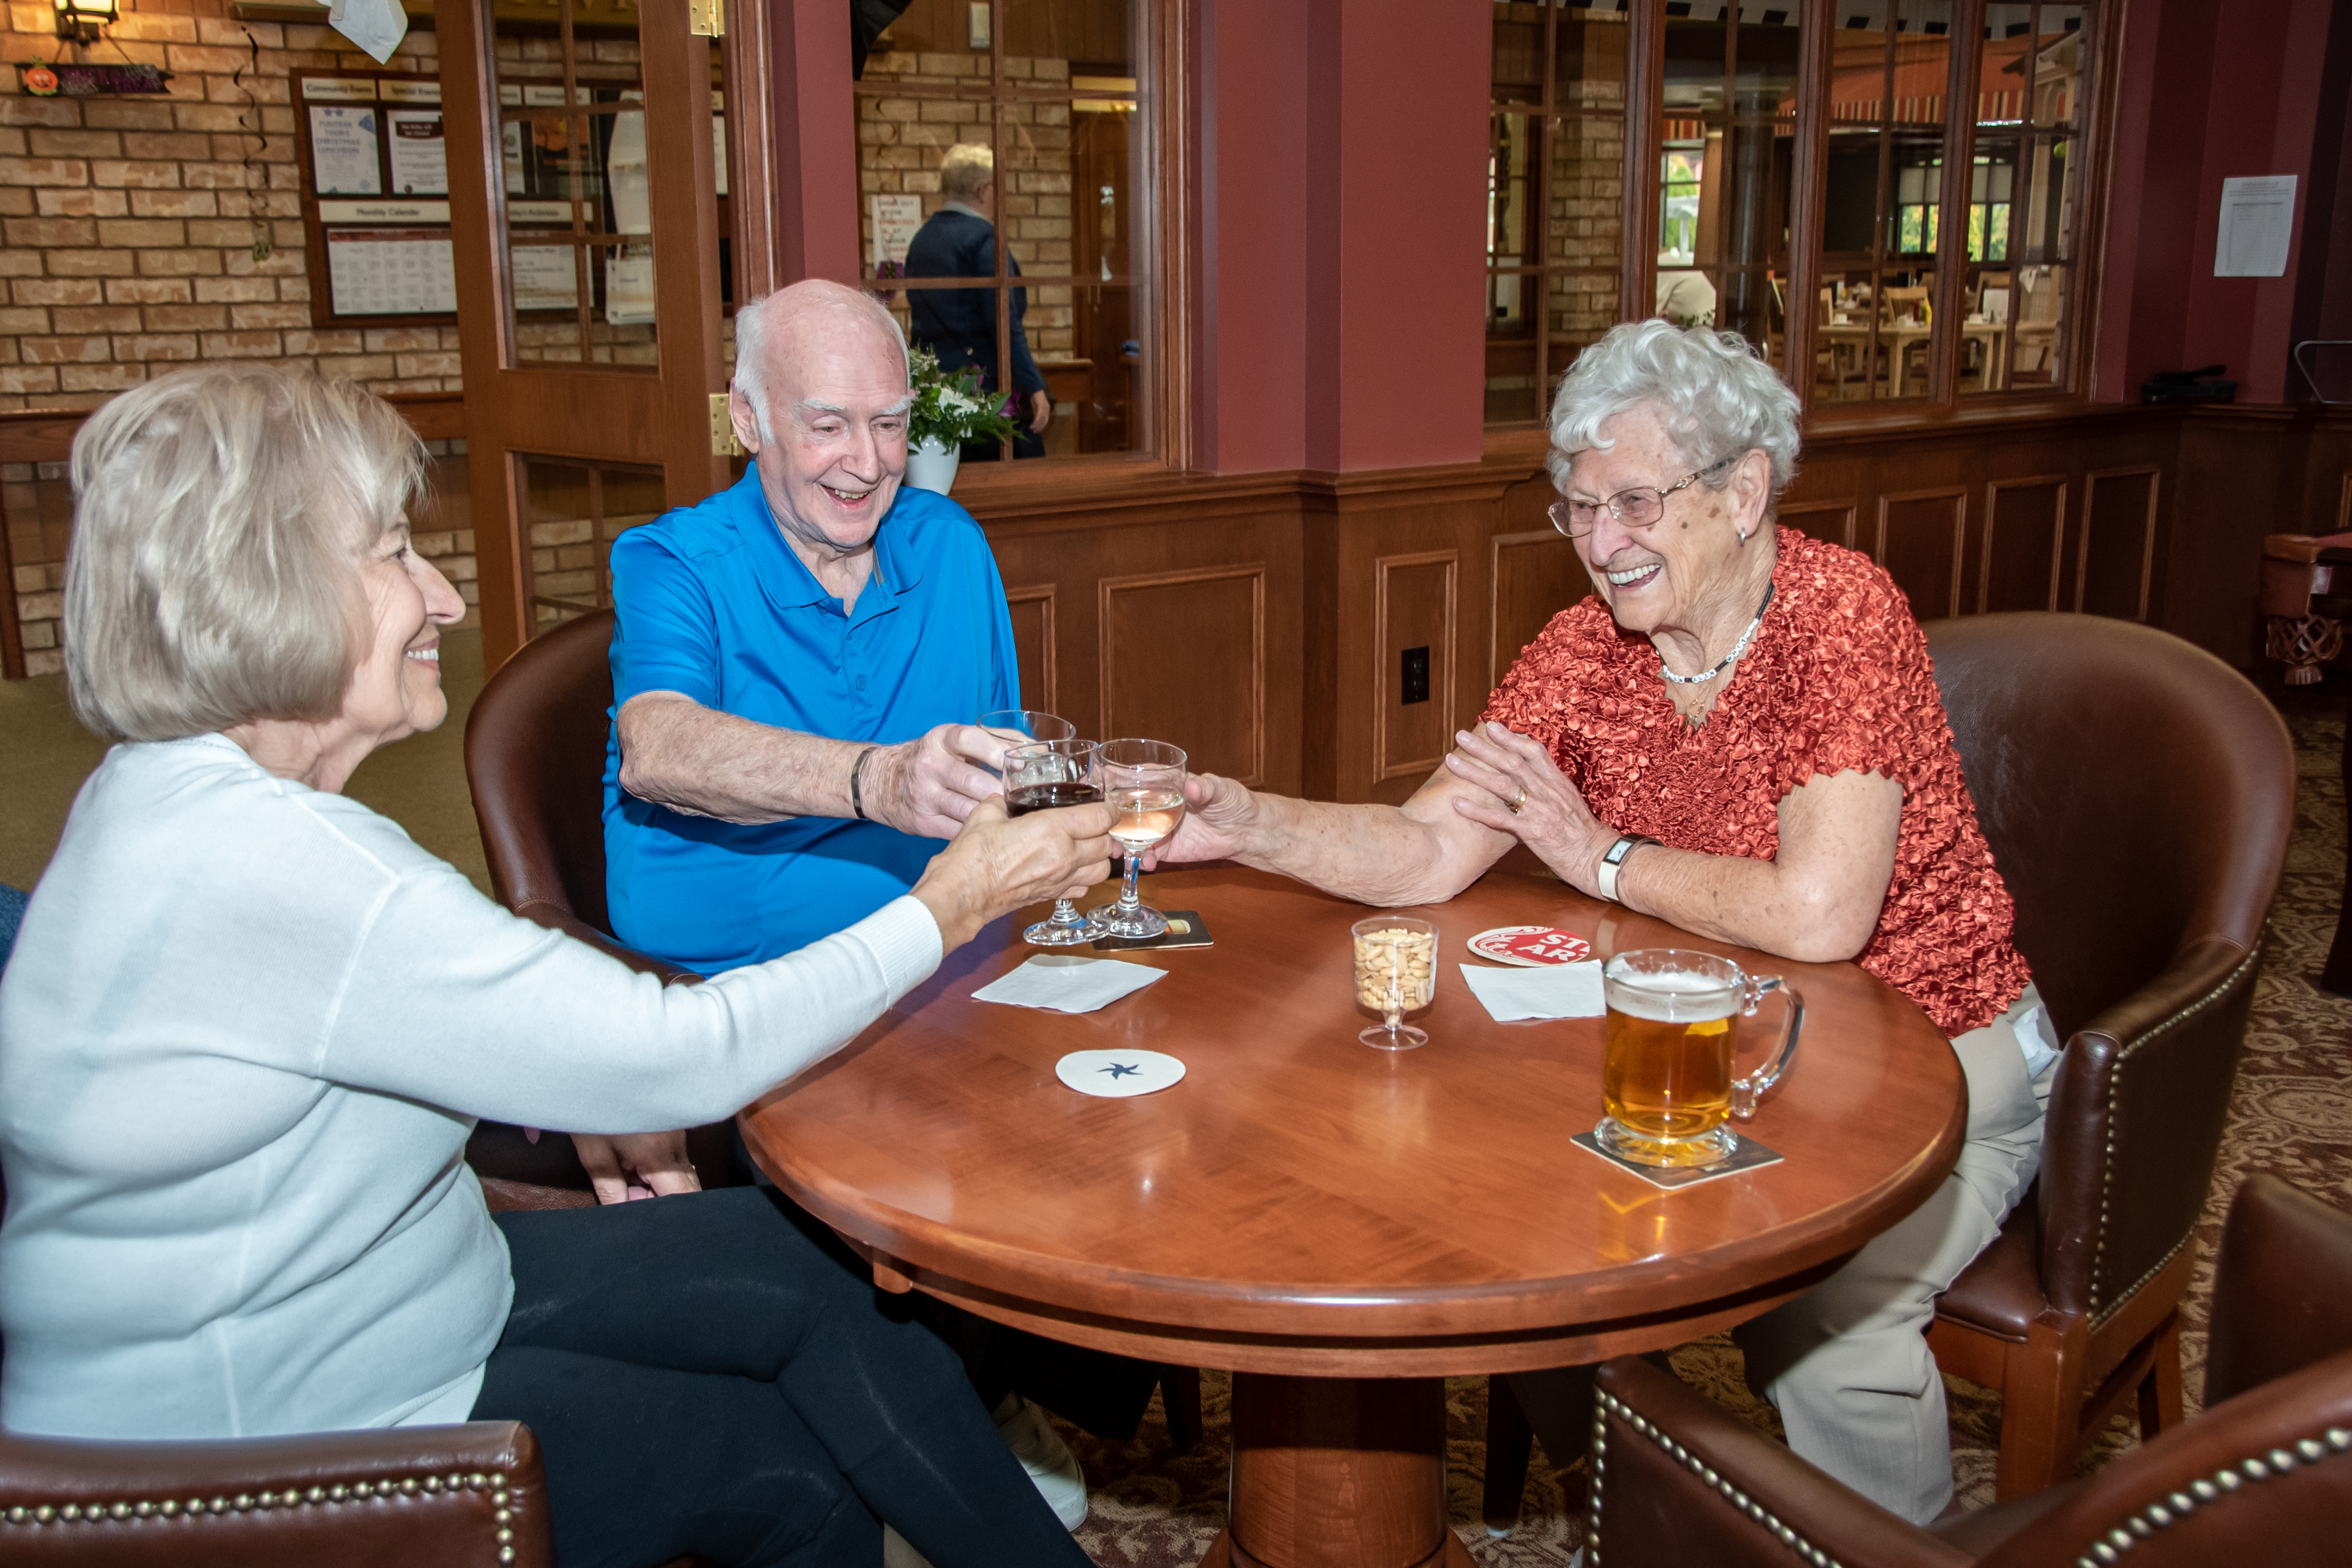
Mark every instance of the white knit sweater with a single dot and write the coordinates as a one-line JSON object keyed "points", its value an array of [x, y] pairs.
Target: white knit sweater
{"points": [[245, 1032]]}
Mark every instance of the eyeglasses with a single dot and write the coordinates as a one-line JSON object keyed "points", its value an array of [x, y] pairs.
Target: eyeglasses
{"points": [[1637, 508]]}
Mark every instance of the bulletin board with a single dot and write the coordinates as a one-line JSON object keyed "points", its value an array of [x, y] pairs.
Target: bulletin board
{"points": [[372, 159]]}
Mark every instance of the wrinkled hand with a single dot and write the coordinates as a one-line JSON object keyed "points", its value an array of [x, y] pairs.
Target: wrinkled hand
{"points": [[998, 863], [1041, 412], [929, 786], [1552, 819], [1217, 812], [635, 1165]]}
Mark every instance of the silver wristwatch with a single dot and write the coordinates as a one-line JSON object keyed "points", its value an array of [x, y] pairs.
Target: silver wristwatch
{"points": [[1614, 857]]}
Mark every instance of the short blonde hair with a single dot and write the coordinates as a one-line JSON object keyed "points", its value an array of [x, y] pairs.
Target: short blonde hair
{"points": [[221, 514], [967, 169]]}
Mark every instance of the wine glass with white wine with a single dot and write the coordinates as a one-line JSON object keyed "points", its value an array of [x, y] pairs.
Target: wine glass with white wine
{"points": [[1144, 780]]}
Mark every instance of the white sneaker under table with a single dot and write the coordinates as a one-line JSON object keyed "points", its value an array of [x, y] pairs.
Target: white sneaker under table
{"points": [[1051, 1465]]}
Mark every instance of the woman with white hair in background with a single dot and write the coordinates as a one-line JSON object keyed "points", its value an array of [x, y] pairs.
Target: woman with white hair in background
{"points": [[1738, 733], [248, 1025]]}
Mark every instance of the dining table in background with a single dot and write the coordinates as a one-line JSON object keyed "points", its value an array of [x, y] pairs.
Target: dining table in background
{"points": [[1848, 343], [1342, 1228]]}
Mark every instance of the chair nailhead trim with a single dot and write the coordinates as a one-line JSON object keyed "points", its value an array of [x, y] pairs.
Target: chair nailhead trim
{"points": [[2209, 1490], [1605, 1405], [495, 1483], [2246, 966]]}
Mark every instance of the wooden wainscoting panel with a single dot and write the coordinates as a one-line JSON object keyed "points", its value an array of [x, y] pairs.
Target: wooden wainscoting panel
{"points": [[2344, 506], [1033, 644], [2118, 548], [1535, 576], [1184, 660], [1413, 606], [1920, 534], [2024, 540], [1827, 520]]}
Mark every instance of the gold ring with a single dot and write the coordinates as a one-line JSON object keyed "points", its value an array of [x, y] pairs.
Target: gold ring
{"points": [[1518, 800]]}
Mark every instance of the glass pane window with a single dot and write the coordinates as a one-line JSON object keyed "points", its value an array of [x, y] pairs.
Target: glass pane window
{"points": [[1728, 140], [1556, 195], [2033, 74], [1008, 219]]}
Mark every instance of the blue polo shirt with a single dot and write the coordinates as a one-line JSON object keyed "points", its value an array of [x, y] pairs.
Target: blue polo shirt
{"points": [[714, 605]]}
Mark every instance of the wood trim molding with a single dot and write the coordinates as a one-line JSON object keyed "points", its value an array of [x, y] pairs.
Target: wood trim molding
{"points": [[2154, 476], [2057, 537], [1048, 657], [1958, 497], [1849, 507], [1495, 545], [1108, 589], [2344, 506], [1443, 685]]}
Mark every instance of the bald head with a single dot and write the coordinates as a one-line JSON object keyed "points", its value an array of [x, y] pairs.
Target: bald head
{"points": [[815, 317]]}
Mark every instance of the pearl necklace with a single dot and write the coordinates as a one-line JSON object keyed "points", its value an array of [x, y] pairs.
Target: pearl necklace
{"points": [[1728, 660]]}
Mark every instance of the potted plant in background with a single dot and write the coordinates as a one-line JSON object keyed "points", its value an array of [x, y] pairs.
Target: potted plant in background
{"points": [[949, 409]]}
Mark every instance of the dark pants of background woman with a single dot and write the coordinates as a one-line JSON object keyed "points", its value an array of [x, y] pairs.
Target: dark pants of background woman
{"points": [[704, 1379]]}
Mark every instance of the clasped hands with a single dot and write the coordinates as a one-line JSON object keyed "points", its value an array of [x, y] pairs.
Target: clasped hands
{"points": [[1519, 791]]}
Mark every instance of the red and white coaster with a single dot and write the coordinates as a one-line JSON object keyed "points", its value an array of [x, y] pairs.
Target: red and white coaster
{"points": [[1532, 947]]}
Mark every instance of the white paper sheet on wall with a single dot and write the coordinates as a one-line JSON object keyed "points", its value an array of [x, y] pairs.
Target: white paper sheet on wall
{"points": [[2257, 222], [420, 165], [343, 152], [376, 25]]}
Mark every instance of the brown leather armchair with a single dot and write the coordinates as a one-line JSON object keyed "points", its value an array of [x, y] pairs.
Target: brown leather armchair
{"points": [[535, 762], [2137, 794], [2264, 1475], [470, 1494]]}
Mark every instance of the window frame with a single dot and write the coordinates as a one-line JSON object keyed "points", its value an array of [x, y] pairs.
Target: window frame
{"points": [[1159, 224], [1943, 399]]}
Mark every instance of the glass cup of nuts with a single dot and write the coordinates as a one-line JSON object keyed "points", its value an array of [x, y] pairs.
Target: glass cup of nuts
{"points": [[1396, 978]]}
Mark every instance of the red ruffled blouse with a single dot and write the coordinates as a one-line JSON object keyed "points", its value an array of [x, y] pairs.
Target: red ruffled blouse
{"points": [[1837, 678]]}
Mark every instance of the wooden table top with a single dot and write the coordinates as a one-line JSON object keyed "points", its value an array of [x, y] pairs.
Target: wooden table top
{"points": [[1301, 1202]]}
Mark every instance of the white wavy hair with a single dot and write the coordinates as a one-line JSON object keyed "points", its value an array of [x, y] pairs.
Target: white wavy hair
{"points": [[1719, 399]]}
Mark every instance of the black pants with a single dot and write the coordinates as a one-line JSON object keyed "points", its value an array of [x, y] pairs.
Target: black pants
{"points": [[702, 1379]]}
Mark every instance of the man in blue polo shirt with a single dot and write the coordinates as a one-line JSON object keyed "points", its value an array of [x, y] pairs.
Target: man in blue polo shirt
{"points": [[798, 660]]}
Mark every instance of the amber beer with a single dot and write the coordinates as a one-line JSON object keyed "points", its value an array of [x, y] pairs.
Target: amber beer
{"points": [[1666, 1078], [1667, 1073]]}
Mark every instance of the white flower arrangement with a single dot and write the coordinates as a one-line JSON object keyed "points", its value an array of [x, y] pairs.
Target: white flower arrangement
{"points": [[950, 405]]}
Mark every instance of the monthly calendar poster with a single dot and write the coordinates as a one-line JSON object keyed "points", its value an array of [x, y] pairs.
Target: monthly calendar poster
{"points": [[391, 272], [344, 159]]}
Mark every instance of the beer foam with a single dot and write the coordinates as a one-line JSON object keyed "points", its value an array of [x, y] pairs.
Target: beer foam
{"points": [[1671, 998]]}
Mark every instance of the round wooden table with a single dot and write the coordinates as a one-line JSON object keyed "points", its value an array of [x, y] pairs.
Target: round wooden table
{"points": [[1340, 1227]]}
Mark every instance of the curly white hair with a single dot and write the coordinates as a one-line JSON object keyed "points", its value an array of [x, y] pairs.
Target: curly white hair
{"points": [[1718, 398]]}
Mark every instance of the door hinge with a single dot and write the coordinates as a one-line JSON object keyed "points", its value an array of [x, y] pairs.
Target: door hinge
{"points": [[707, 18], [722, 428]]}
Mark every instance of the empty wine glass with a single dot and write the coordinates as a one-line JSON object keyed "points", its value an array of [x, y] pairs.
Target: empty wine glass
{"points": [[1145, 780], [1044, 774], [1015, 725]]}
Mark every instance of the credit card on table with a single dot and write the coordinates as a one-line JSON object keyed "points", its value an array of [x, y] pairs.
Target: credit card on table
{"points": [[1185, 928]]}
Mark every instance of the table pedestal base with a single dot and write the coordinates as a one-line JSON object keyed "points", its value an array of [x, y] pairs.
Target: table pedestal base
{"points": [[1332, 1472]]}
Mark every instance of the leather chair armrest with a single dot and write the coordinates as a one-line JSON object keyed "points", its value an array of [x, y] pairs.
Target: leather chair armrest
{"points": [[554, 917], [387, 1498], [1678, 1481], [2283, 1290]]}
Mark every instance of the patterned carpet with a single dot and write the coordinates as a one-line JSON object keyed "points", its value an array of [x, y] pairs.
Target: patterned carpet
{"points": [[2291, 1115]]}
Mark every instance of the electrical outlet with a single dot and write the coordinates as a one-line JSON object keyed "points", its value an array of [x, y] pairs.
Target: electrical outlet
{"points": [[1412, 685]]}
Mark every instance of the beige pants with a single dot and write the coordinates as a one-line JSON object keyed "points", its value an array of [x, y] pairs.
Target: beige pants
{"points": [[1846, 1362]]}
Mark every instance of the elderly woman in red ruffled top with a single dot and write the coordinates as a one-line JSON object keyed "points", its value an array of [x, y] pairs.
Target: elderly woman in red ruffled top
{"points": [[1738, 733]]}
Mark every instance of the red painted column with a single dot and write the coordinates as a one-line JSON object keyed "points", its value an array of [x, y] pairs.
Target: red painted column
{"points": [[817, 143]]}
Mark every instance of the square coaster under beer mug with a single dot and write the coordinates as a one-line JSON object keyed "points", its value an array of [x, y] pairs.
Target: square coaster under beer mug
{"points": [[1396, 978], [1039, 775], [1145, 780], [1666, 1080]]}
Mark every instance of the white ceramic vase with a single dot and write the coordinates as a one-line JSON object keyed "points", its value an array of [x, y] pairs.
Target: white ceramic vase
{"points": [[931, 465]]}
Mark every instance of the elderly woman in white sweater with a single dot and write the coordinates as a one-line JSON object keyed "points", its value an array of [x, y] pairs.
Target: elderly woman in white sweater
{"points": [[248, 1025]]}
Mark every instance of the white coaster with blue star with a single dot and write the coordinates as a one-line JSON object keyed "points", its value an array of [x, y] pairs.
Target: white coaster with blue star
{"points": [[1119, 1075]]}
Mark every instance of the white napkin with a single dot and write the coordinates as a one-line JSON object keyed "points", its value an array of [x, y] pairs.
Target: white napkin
{"points": [[1556, 991], [1064, 982]]}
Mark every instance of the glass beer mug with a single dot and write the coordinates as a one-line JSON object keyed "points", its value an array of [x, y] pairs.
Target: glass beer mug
{"points": [[1666, 1080]]}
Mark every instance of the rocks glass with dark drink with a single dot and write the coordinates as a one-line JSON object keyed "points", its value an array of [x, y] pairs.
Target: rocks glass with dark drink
{"points": [[1666, 1080], [1043, 775]]}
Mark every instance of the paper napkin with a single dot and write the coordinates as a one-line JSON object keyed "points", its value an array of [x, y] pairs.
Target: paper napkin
{"points": [[1064, 982], [1563, 991]]}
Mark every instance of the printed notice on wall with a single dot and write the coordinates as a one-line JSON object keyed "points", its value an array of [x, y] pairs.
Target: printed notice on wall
{"points": [[2257, 222], [343, 160], [391, 272], [896, 219], [545, 276], [420, 166]]}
